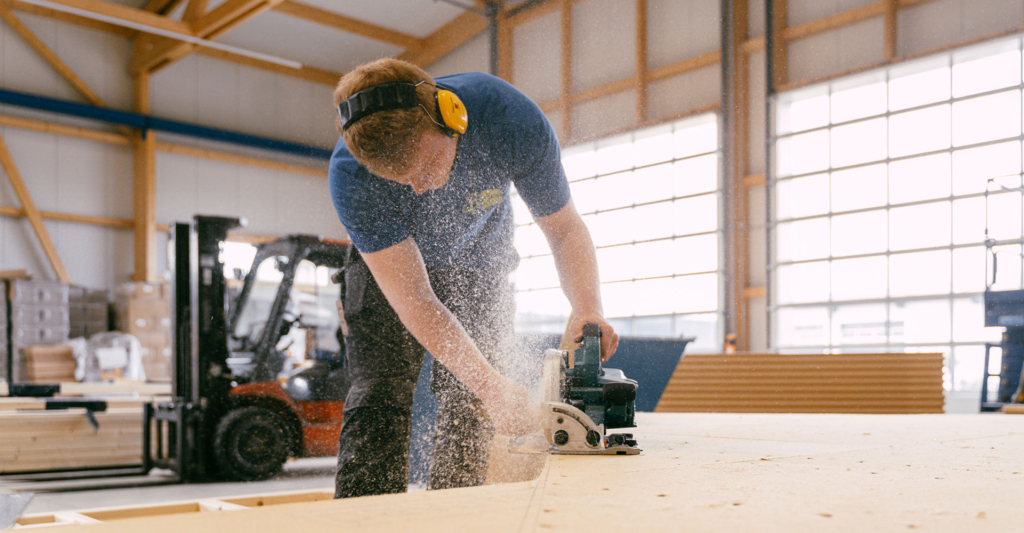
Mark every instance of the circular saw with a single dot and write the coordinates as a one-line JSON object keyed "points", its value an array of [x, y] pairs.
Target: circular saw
{"points": [[580, 401]]}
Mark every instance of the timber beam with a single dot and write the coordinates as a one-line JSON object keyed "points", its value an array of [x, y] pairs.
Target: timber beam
{"points": [[446, 39], [163, 51], [411, 43]]}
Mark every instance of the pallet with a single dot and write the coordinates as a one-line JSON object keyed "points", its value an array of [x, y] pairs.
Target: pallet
{"points": [[806, 383], [234, 503]]}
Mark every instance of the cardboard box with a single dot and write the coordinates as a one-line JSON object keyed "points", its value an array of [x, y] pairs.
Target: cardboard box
{"points": [[157, 367], [28, 292], [144, 311]]}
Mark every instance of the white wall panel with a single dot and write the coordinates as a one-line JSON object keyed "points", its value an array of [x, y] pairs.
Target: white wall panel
{"points": [[94, 56], [35, 156], [757, 247], [473, 56], [603, 42], [176, 188], [303, 205], [224, 95], [537, 57], [604, 115], [23, 69], [681, 30], [943, 22], [217, 188], [691, 90], [86, 254], [23, 249], [555, 118], [757, 313], [804, 11], [82, 177], [847, 48], [257, 200], [755, 18]]}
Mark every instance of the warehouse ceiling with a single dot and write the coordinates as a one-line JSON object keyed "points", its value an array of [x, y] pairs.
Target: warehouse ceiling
{"points": [[320, 43], [329, 48]]}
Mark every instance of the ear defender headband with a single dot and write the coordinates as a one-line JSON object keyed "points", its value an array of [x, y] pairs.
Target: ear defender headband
{"points": [[402, 95]]}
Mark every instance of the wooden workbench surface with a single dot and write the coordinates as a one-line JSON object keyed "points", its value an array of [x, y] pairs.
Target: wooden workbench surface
{"points": [[701, 472]]}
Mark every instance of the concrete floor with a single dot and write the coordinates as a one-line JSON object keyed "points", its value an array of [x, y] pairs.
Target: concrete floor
{"points": [[297, 475]]}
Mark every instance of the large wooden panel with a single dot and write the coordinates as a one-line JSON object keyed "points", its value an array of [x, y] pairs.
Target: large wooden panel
{"points": [[806, 383], [698, 472]]}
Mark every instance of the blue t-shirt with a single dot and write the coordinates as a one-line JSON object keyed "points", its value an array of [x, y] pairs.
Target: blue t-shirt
{"points": [[467, 222]]}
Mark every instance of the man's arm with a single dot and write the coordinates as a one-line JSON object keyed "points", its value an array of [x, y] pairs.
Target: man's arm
{"points": [[402, 276], [576, 261]]}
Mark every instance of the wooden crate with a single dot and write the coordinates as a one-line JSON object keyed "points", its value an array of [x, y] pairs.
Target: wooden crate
{"points": [[806, 383]]}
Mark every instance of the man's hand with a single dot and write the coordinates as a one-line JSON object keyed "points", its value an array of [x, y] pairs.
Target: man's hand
{"points": [[609, 339], [512, 410]]}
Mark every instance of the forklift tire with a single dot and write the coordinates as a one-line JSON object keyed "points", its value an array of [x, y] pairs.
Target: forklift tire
{"points": [[251, 444]]}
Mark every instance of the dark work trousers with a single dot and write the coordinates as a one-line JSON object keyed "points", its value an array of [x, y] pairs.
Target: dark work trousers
{"points": [[384, 360]]}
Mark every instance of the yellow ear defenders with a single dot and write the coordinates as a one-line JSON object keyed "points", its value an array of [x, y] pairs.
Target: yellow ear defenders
{"points": [[402, 95]]}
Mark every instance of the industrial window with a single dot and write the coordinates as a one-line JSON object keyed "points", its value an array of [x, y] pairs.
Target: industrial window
{"points": [[884, 184], [650, 199]]}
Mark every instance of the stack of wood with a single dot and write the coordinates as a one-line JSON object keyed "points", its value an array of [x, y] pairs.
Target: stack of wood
{"points": [[49, 363], [38, 440], [806, 383]]}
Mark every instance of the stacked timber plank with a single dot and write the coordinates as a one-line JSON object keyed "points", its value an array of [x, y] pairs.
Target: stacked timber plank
{"points": [[806, 383], [49, 363], [38, 440]]}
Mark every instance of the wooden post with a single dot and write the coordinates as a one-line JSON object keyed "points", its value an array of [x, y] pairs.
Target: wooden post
{"points": [[34, 218], [734, 137], [504, 47], [144, 145], [891, 29], [780, 48], [641, 62], [566, 80]]}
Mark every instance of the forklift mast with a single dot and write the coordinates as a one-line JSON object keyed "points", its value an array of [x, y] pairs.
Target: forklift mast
{"points": [[201, 378]]}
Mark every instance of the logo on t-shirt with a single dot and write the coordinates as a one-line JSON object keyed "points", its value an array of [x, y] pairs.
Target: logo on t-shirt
{"points": [[482, 201]]}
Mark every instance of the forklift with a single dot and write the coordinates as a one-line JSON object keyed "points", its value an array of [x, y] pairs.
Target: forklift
{"points": [[235, 413]]}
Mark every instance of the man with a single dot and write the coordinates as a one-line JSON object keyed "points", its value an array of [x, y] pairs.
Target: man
{"points": [[421, 179]]}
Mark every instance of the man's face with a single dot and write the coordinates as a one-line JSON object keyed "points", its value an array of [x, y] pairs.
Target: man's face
{"points": [[432, 164]]}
